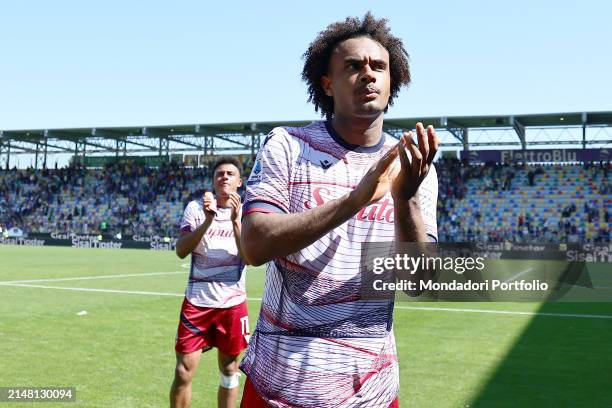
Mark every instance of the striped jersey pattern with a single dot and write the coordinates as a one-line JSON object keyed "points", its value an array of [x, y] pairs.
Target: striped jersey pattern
{"points": [[317, 344], [217, 273]]}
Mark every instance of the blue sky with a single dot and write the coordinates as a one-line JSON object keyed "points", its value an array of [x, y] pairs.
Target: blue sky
{"points": [[117, 63]]}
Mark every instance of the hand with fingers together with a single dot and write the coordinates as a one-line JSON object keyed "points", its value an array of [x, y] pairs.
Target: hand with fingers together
{"points": [[413, 171], [377, 180], [235, 203], [210, 207]]}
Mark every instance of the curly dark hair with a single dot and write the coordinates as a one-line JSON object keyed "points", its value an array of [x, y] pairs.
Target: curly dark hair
{"points": [[319, 53]]}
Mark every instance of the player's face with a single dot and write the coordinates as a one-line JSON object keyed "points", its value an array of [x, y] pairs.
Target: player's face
{"points": [[359, 78], [226, 179]]}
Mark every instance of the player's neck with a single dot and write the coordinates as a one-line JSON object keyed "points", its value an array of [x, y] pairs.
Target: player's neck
{"points": [[222, 201], [359, 131]]}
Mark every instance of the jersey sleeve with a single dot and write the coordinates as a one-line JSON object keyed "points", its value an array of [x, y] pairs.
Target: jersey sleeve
{"points": [[188, 223], [428, 199], [267, 188]]}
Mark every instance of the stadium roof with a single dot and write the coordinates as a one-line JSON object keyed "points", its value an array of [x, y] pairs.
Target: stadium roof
{"points": [[537, 120], [245, 136]]}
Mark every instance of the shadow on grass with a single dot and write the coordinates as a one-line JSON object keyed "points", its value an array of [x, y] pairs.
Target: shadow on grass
{"points": [[558, 361]]}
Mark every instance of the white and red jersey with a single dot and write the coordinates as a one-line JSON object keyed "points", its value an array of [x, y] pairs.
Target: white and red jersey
{"points": [[217, 273], [317, 344]]}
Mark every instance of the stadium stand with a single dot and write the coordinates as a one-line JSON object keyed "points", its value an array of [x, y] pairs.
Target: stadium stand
{"points": [[491, 203], [524, 203], [124, 197]]}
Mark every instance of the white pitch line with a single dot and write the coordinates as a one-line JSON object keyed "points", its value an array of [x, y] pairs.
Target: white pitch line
{"points": [[130, 275], [513, 278], [429, 309], [505, 312], [127, 292]]}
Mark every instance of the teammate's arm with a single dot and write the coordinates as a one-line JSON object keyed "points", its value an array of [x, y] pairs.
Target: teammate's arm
{"points": [[234, 201], [267, 236], [188, 241]]}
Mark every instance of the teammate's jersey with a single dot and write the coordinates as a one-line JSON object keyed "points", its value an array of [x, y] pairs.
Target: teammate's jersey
{"points": [[217, 273], [317, 344]]}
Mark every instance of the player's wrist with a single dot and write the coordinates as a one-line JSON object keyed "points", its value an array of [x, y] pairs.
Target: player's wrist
{"points": [[403, 193], [409, 221], [410, 206], [354, 201], [357, 199]]}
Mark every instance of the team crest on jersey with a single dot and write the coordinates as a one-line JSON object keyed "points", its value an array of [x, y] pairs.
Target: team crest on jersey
{"points": [[255, 173]]}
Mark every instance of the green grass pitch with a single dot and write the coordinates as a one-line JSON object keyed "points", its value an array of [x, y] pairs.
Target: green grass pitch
{"points": [[120, 354]]}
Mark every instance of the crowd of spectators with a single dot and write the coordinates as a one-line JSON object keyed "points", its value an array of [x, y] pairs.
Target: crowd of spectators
{"points": [[129, 198], [124, 197], [589, 222]]}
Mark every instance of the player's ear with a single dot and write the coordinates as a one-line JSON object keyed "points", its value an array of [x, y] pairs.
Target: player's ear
{"points": [[326, 85], [239, 181]]}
